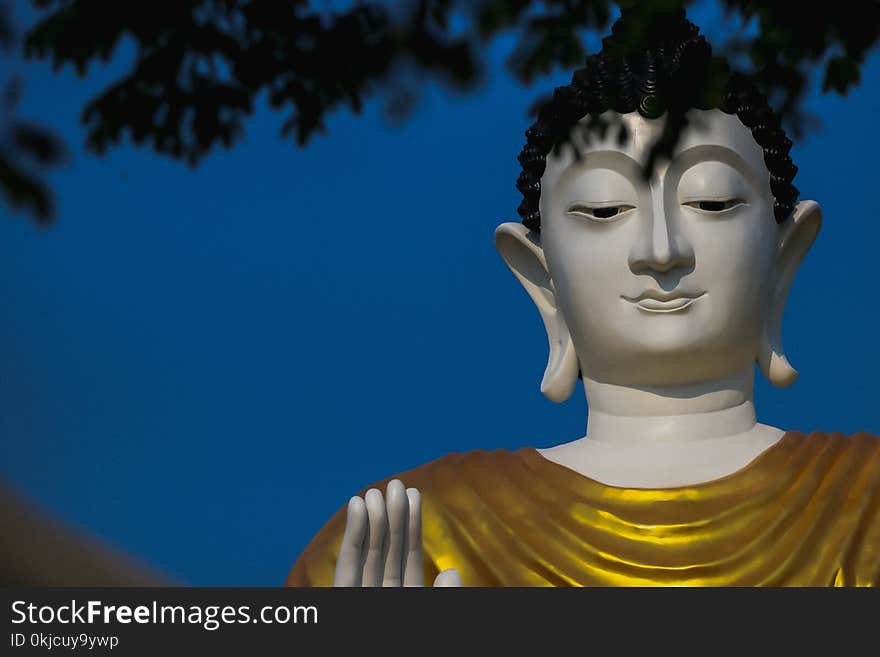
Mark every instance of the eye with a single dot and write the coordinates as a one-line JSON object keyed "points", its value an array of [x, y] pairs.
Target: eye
{"points": [[602, 213], [715, 206]]}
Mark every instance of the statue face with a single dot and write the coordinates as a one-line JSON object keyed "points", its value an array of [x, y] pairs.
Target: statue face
{"points": [[663, 280], [678, 279]]}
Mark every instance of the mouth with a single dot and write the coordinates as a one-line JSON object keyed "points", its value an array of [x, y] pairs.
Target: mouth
{"points": [[657, 302]]}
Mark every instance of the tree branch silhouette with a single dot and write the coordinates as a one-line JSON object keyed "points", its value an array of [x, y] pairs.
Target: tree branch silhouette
{"points": [[200, 65], [26, 149]]}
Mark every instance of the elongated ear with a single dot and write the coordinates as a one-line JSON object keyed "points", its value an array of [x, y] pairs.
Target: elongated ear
{"points": [[796, 239], [521, 250]]}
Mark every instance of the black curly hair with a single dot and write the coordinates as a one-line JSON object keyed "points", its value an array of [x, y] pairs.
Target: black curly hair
{"points": [[668, 70]]}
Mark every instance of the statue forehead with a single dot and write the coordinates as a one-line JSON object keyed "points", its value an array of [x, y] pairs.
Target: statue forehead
{"points": [[706, 128]]}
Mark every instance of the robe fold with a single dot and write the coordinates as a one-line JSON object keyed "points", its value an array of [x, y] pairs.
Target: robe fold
{"points": [[805, 512]]}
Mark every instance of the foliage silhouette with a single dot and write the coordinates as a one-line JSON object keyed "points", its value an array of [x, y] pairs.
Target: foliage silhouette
{"points": [[200, 65], [26, 149]]}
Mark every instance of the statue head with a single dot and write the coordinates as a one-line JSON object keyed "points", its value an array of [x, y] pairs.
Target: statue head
{"points": [[654, 265]]}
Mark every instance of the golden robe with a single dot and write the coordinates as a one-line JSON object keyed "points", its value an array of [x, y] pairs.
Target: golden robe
{"points": [[805, 512]]}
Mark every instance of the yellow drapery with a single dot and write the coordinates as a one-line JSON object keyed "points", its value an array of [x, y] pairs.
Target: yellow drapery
{"points": [[806, 512]]}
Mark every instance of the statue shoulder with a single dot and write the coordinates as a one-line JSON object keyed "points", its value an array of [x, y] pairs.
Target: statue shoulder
{"points": [[861, 444], [852, 459], [863, 451], [839, 494], [436, 480]]}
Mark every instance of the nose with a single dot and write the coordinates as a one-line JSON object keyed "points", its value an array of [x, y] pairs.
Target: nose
{"points": [[660, 246]]}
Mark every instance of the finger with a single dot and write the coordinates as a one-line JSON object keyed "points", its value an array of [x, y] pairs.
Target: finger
{"points": [[413, 568], [350, 564], [397, 507], [374, 566], [448, 577]]}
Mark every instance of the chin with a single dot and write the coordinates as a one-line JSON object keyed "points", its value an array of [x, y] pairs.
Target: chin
{"points": [[672, 353], [674, 334]]}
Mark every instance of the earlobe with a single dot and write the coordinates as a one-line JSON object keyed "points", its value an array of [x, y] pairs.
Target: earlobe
{"points": [[521, 250], [562, 371], [797, 237]]}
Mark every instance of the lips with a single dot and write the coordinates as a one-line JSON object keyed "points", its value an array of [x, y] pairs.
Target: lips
{"points": [[658, 302]]}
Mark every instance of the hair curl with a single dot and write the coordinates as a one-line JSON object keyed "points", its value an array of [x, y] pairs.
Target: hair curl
{"points": [[670, 71]]}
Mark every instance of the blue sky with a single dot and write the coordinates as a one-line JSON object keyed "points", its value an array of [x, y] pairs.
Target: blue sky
{"points": [[201, 366]]}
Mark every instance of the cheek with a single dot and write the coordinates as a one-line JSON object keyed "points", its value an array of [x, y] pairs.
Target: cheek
{"points": [[734, 261], [588, 262], [590, 268]]}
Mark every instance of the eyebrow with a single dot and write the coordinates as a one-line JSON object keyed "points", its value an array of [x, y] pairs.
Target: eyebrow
{"points": [[684, 160], [607, 159], [681, 161]]}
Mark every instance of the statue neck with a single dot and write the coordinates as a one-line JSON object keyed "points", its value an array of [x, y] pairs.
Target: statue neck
{"points": [[660, 437], [670, 414]]}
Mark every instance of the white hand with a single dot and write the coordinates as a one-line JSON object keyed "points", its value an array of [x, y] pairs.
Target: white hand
{"points": [[382, 543]]}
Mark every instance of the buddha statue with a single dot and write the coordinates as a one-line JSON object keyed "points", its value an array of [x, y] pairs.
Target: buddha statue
{"points": [[661, 280]]}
